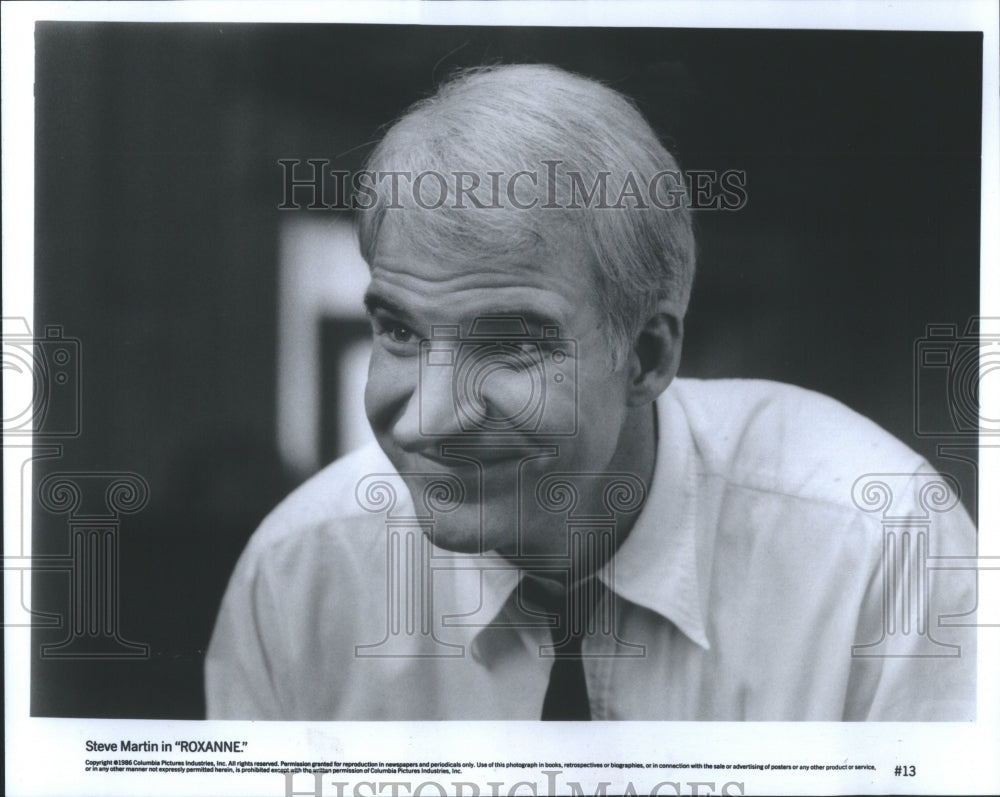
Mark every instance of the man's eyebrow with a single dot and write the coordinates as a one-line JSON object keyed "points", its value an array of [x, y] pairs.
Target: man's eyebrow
{"points": [[533, 318], [375, 301]]}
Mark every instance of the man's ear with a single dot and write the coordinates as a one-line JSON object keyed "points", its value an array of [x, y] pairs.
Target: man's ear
{"points": [[655, 355]]}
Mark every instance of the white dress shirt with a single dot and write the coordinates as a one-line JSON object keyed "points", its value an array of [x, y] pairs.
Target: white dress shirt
{"points": [[764, 579]]}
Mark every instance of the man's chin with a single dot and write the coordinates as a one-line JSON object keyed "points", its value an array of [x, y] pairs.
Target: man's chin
{"points": [[463, 532], [461, 537], [457, 542]]}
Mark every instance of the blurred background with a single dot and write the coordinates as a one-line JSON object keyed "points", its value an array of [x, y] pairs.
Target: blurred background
{"points": [[222, 340]]}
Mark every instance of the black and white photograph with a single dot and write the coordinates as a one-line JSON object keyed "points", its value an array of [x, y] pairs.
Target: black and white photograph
{"points": [[501, 398]]}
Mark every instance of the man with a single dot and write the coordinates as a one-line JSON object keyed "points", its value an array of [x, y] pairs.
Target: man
{"points": [[553, 526]]}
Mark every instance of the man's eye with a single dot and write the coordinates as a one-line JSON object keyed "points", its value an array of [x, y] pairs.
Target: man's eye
{"points": [[393, 332], [528, 350], [399, 333]]}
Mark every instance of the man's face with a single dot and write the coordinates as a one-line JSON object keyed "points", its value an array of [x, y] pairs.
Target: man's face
{"points": [[469, 379]]}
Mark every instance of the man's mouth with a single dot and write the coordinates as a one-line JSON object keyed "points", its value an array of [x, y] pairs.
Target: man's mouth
{"points": [[469, 452]]}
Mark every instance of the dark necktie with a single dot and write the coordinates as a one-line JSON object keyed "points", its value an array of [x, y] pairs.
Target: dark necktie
{"points": [[566, 697]]}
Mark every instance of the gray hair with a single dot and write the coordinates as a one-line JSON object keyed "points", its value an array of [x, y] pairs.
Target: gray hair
{"points": [[523, 118]]}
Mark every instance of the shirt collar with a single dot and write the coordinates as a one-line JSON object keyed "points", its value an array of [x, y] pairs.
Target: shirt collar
{"points": [[497, 583], [657, 565]]}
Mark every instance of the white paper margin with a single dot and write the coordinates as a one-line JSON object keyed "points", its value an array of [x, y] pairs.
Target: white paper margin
{"points": [[46, 756]]}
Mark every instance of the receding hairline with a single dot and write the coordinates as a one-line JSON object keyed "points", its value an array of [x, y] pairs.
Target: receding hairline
{"points": [[537, 114]]}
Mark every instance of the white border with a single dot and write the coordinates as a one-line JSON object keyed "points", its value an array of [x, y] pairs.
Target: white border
{"points": [[44, 755]]}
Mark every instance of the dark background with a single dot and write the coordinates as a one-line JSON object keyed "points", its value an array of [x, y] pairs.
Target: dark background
{"points": [[156, 242]]}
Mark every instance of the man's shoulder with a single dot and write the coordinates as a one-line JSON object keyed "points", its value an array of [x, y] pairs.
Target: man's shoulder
{"points": [[780, 438]]}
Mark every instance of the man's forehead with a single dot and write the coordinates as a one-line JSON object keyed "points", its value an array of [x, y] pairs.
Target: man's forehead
{"points": [[481, 239], [546, 277], [460, 238]]}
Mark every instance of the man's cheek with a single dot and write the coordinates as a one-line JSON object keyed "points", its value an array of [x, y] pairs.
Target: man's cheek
{"points": [[386, 391]]}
